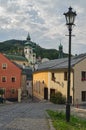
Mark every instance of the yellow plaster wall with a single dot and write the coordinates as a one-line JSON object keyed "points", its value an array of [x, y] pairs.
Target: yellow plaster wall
{"points": [[60, 84], [40, 80], [41, 76]]}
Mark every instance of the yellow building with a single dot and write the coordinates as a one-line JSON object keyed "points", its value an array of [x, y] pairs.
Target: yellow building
{"points": [[51, 77]]}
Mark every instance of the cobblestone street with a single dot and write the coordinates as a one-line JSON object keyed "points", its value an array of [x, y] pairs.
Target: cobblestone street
{"points": [[30, 115], [25, 116]]}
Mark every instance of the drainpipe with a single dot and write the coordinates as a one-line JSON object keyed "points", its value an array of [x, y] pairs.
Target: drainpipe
{"points": [[73, 88]]}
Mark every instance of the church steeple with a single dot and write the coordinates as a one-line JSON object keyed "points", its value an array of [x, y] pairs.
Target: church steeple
{"points": [[60, 51], [28, 37]]}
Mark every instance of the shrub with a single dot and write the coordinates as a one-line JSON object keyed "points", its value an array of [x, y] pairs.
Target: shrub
{"points": [[58, 98], [2, 91]]}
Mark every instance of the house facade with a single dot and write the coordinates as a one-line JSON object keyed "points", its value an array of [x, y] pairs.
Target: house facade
{"points": [[12, 78], [51, 77], [28, 72]]}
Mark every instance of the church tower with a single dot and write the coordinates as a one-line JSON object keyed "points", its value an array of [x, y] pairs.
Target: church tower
{"points": [[28, 37], [60, 51], [28, 51]]}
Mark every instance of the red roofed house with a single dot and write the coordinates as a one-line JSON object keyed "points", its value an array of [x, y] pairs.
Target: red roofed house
{"points": [[11, 78]]}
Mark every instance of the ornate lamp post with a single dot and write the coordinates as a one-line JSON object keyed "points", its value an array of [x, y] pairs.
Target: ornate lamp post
{"points": [[70, 18]]}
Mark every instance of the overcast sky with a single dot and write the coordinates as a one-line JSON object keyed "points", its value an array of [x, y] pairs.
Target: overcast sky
{"points": [[45, 22]]}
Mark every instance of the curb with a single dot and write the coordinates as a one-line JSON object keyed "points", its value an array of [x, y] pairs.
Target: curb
{"points": [[80, 110], [49, 122]]}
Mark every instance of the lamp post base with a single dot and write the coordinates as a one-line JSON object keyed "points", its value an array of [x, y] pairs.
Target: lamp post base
{"points": [[67, 112]]}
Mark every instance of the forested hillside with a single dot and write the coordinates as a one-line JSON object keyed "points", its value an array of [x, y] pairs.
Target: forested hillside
{"points": [[16, 47]]}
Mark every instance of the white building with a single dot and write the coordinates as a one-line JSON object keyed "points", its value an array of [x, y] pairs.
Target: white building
{"points": [[28, 51]]}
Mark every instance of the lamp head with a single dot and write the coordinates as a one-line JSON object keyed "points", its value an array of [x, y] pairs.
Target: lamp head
{"points": [[70, 17]]}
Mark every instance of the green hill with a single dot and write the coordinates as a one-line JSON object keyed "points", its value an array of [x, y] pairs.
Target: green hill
{"points": [[16, 47], [11, 46]]}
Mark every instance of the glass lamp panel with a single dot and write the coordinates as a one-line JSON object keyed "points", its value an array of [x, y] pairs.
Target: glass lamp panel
{"points": [[67, 19], [72, 18]]}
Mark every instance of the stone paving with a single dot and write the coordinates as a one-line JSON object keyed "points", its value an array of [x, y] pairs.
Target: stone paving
{"points": [[27, 115]]}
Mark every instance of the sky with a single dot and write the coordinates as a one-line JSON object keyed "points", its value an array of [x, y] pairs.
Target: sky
{"points": [[45, 22]]}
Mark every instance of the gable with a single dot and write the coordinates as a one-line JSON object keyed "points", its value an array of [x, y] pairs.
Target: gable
{"points": [[10, 65], [80, 65]]}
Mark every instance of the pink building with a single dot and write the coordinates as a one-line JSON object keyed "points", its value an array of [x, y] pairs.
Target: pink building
{"points": [[11, 78]]}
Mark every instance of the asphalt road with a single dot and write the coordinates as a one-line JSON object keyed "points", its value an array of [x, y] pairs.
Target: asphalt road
{"points": [[26, 116]]}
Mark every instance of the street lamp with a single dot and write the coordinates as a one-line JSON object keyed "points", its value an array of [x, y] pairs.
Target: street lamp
{"points": [[70, 18]]}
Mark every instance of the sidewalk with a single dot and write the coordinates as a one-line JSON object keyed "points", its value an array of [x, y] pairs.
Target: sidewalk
{"points": [[79, 112]]}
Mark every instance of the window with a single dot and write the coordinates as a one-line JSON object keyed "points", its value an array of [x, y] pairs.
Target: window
{"points": [[30, 52], [13, 79], [53, 76], [3, 79], [83, 75], [65, 75], [4, 66], [12, 90], [83, 95], [2, 91]]}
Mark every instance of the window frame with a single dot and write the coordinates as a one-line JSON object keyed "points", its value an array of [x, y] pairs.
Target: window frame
{"points": [[4, 66], [83, 75], [13, 79], [4, 78], [83, 94]]}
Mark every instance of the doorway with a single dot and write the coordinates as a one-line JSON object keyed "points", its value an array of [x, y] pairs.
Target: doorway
{"points": [[52, 92], [46, 93]]}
